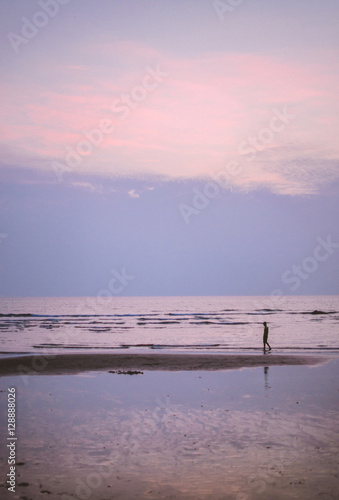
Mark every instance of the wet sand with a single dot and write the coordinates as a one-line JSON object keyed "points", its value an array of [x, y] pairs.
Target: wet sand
{"points": [[75, 363], [265, 431]]}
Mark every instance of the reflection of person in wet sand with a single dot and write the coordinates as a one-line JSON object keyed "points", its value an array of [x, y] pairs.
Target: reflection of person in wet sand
{"points": [[266, 377], [266, 336]]}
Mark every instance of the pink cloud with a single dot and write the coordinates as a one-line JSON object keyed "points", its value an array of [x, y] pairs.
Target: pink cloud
{"points": [[189, 124]]}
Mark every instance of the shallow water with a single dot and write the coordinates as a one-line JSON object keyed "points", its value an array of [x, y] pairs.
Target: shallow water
{"points": [[269, 432], [225, 324]]}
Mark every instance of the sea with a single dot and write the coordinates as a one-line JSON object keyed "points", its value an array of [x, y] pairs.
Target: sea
{"points": [[297, 324]]}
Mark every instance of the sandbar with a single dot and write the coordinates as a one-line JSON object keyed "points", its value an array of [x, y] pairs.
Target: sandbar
{"points": [[76, 363]]}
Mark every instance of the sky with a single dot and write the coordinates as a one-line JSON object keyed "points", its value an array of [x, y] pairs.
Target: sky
{"points": [[166, 147]]}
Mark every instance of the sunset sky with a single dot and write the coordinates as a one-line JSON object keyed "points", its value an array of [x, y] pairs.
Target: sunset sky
{"points": [[191, 143]]}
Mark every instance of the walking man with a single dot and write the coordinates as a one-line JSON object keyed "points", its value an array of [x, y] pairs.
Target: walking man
{"points": [[266, 337]]}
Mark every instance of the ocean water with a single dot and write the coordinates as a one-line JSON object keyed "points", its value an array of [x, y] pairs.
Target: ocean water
{"points": [[173, 324]]}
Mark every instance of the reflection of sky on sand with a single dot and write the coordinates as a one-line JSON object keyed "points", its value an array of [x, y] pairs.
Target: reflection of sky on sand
{"points": [[238, 434]]}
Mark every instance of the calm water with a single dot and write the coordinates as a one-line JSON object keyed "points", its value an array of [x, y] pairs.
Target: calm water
{"points": [[220, 324]]}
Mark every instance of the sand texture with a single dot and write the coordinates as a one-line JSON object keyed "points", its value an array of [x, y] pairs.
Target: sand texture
{"points": [[265, 432], [76, 363]]}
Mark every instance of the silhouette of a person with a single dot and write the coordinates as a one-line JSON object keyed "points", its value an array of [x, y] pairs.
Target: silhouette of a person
{"points": [[266, 336]]}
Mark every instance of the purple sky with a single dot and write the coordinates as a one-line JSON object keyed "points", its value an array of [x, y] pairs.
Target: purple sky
{"points": [[191, 145]]}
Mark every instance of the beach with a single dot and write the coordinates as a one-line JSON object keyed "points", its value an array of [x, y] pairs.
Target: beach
{"points": [[169, 250], [170, 398], [173, 426]]}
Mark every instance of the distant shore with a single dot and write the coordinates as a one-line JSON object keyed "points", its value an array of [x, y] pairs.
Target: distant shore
{"points": [[76, 363]]}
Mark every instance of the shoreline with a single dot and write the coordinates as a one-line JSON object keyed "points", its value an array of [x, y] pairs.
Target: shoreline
{"points": [[64, 364]]}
